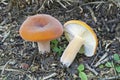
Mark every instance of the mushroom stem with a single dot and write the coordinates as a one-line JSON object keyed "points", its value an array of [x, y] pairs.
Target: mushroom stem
{"points": [[44, 46], [71, 51]]}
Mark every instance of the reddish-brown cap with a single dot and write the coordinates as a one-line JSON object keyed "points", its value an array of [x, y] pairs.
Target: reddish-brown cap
{"points": [[41, 27]]}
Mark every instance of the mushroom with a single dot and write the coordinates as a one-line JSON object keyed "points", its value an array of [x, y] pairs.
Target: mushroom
{"points": [[79, 35], [41, 28]]}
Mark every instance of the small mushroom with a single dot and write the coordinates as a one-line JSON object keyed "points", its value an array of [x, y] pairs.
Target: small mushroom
{"points": [[41, 28], [79, 35]]}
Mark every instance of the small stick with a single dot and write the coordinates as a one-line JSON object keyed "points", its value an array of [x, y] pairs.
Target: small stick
{"points": [[67, 2], [81, 9], [99, 62], [3, 2], [91, 69], [114, 68], [116, 2], [92, 14], [6, 35], [103, 61], [3, 67], [103, 57], [94, 59], [14, 70], [3, 22], [104, 24], [96, 2], [49, 76], [61, 4], [51, 1], [111, 78], [42, 6], [100, 48], [30, 77]]}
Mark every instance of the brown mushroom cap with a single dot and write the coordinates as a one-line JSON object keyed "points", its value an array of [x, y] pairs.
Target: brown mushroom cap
{"points": [[41, 27]]}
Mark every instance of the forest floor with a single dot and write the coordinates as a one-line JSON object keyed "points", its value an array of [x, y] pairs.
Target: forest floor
{"points": [[20, 59]]}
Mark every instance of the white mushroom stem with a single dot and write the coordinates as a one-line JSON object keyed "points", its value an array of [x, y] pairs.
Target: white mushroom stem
{"points": [[71, 51], [44, 46]]}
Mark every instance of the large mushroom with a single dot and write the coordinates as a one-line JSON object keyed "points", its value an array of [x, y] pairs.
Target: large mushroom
{"points": [[79, 35], [41, 28]]}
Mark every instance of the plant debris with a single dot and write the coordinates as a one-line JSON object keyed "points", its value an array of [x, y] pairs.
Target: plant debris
{"points": [[20, 60]]}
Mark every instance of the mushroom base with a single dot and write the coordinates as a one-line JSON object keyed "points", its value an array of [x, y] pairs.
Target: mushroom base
{"points": [[44, 47]]}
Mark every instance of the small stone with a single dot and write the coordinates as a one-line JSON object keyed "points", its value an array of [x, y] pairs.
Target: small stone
{"points": [[11, 40], [24, 66], [12, 62], [5, 43], [2, 55]]}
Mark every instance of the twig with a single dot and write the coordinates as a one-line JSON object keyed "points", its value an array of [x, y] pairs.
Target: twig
{"points": [[105, 25], [67, 2], [4, 21], [48, 3], [94, 59], [92, 14], [113, 21], [3, 1], [3, 67], [14, 70], [116, 2], [42, 6], [101, 62], [6, 35], [100, 48], [96, 2], [81, 9], [61, 4], [71, 1], [51, 1], [91, 69], [97, 7], [30, 77], [111, 78], [70, 10], [114, 68], [101, 59], [49, 76]]}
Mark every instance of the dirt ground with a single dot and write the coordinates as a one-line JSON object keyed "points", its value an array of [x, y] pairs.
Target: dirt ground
{"points": [[20, 59]]}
